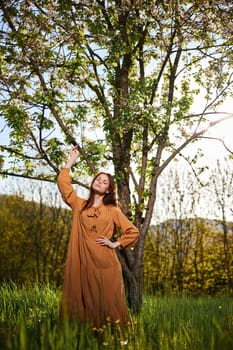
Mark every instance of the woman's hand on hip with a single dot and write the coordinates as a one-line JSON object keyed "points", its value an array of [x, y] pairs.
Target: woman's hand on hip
{"points": [[104, 241]]}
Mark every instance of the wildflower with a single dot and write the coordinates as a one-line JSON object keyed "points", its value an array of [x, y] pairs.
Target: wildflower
{"points": [[98, 330], [124, 342]]}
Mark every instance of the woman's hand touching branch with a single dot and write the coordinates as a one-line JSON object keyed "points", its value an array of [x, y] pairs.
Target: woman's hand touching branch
{"points": [[73, 157]]}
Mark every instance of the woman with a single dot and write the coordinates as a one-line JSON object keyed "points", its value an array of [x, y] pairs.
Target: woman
{"points": [[93, 287]]}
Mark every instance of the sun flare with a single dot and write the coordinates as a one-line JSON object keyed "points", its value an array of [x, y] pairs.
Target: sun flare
{"points": [[224, 131]]}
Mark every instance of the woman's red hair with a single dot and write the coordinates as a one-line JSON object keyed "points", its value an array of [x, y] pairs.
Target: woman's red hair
{"points": [[109, 197]]}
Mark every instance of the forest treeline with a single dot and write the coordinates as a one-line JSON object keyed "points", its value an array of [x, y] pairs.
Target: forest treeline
{"points": [[33, 240], [193, 255]]}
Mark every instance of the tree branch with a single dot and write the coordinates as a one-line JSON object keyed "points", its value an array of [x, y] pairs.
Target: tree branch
{"points": [[40, 178]]}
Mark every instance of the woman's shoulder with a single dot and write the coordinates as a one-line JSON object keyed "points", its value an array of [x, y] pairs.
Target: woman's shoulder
{"points": [[113, 208], [79, 203]]}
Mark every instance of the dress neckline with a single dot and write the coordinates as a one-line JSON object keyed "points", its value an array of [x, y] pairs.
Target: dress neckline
{"points": [[94, 211]]}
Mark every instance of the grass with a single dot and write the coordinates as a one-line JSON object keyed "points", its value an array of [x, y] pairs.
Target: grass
{"points": [[29, 320]]}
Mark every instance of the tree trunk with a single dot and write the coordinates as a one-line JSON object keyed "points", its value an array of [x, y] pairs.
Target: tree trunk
{"points": [[132, 268]]}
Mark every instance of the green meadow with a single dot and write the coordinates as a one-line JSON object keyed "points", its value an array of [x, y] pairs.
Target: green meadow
{"points": [[29, 320]]}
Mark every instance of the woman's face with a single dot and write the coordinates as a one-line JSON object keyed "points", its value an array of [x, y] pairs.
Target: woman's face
{"points": [[101, 184]]}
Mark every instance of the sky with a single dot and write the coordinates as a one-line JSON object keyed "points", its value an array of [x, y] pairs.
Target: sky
{"points": [[214, 149]]}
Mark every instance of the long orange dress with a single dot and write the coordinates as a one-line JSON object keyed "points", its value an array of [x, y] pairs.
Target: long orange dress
{"points": [[93, 287]]}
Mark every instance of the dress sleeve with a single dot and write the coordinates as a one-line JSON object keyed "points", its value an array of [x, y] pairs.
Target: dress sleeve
{"points": [[129, 232], [68, 193]]}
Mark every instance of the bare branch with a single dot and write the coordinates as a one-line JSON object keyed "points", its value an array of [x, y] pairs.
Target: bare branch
{"points": [[217, 139], [44, 178], [194, 136]]}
